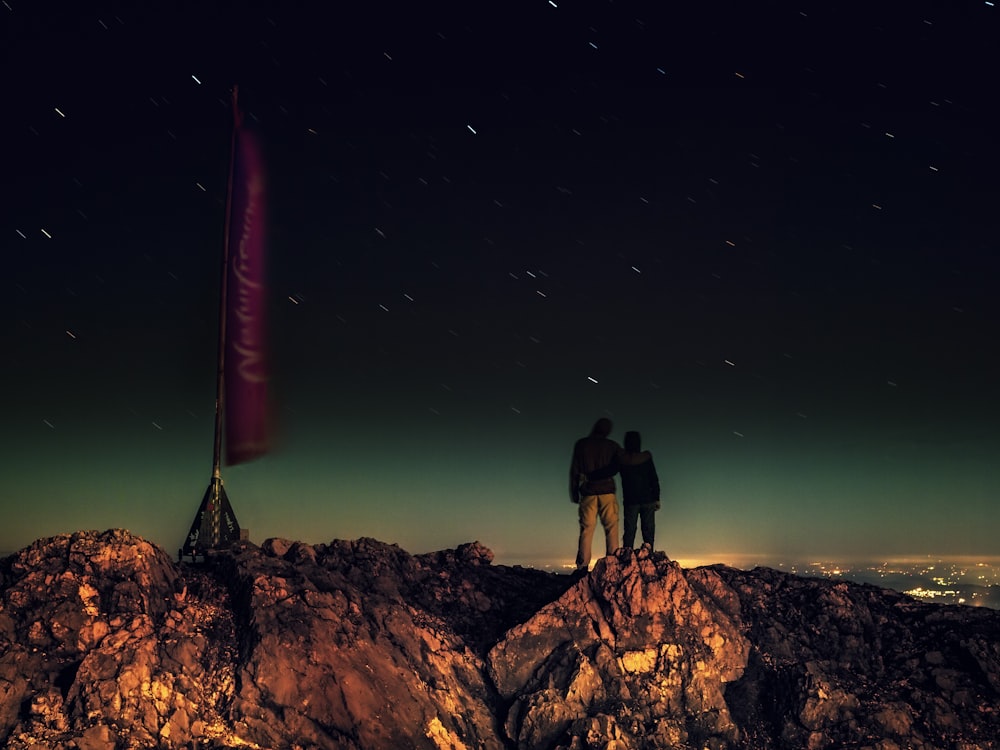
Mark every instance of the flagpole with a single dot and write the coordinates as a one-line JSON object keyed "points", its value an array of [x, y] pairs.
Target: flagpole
{"points": [[215, 488], [220, 383], [206, 531]]}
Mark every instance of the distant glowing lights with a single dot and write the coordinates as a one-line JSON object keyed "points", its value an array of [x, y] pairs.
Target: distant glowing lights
{"points": [[592, 380], [59, 112], [471, 129], [195, 79]]}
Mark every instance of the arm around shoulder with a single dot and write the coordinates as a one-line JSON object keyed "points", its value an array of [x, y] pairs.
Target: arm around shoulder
{"points": [[633, 459]]}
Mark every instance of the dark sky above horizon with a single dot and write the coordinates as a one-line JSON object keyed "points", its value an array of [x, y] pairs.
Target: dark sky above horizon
{"points": [[766, 238]]}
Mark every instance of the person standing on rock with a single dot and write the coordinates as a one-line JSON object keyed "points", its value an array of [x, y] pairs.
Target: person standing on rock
{"points": [[640, 491], [596, 460]]}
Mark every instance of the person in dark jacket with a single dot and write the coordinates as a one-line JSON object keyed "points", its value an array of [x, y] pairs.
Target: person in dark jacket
{"points": [[596, 460], [640, 490]]}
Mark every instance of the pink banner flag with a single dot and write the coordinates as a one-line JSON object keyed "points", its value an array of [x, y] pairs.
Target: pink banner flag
{"points": [[246, 372]]}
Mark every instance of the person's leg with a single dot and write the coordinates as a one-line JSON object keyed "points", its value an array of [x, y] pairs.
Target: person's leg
{"points": [[631, 517], [647, 514], [588, 521], [607, 508]]}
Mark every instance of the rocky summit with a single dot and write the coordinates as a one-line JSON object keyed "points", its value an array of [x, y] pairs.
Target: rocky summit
{"points": [[107, 642]]}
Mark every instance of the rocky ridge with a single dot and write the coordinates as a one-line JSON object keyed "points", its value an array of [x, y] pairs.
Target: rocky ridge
{"points": [[107, 642]]}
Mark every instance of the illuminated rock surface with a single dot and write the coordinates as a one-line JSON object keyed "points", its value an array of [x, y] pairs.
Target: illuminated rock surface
{"points": [[106, 642]]}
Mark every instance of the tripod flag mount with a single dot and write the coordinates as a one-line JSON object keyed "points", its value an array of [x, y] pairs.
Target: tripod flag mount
{"points": [[215, 524]]}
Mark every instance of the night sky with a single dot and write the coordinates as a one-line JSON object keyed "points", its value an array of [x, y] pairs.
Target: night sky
{"points": [[764, 235]]}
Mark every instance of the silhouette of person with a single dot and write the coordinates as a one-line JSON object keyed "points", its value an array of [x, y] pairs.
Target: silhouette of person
{"points": [[596, 460], [640, 490]]}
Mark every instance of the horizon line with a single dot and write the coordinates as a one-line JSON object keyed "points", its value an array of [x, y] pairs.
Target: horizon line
{"points": [[742, 559]]}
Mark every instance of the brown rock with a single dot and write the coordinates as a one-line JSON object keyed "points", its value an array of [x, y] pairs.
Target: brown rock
{"points": [[87, 645], [105, 642], [348, 645], [633, 643]]}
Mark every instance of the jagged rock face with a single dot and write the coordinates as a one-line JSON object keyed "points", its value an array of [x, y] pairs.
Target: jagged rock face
{"points": [[101, 638], [105, 642], [631, 654], [849, 665], [338, 651]]}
